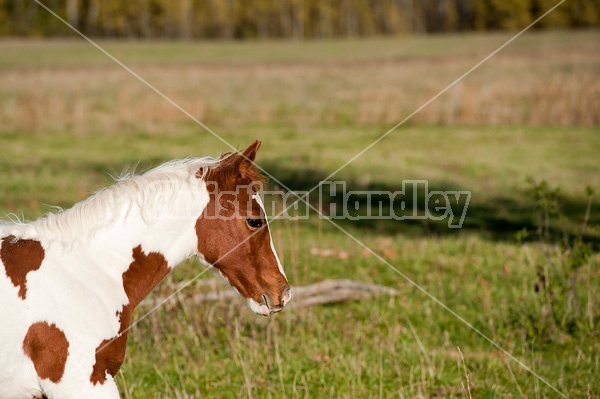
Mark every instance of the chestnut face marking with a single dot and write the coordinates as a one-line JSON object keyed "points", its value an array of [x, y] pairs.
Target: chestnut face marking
{"points": [[19, 258], [47, 347], [233, 234], [143, 274]]}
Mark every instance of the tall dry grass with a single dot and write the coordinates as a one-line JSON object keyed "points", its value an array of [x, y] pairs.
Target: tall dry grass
{"points": [[544, 87]]}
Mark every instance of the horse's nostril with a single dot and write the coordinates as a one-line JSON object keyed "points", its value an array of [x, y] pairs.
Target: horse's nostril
{"points": [[272, 307]]}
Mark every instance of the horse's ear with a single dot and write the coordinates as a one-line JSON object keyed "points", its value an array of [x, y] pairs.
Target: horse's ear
{"points": [[246, 159]]}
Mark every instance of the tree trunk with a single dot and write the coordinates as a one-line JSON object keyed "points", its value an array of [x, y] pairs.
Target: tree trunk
{"points": [[73, 13]]}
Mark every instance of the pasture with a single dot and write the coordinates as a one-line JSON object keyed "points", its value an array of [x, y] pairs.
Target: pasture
{"points": [[70, 118]]}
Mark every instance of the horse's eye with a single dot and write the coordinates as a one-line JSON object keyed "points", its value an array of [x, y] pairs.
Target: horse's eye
{"points": [[254, 223]]}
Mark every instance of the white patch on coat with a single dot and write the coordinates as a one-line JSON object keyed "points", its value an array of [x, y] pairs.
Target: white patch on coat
{"points": [[79, 286]]}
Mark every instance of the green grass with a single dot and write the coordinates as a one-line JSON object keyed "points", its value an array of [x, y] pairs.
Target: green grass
{"points": [[70, 119]]}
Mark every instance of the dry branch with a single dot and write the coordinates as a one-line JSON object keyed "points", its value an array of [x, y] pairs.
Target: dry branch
{"points": [[323, 292], [334, 291]]}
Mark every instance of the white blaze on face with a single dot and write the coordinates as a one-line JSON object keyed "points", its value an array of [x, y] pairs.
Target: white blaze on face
{"points": [[257, 198]]}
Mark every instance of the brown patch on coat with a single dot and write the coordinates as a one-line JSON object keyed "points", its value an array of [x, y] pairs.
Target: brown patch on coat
{"points": [[47, 347], [143, 274], [21, 257]]}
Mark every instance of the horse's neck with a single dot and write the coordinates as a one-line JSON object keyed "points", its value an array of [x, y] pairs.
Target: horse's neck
{"points": [[171, 233], [167, 232], [173, 238]]}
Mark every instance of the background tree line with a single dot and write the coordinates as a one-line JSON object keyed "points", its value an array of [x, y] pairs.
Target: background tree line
{"points": [[298, 19]]}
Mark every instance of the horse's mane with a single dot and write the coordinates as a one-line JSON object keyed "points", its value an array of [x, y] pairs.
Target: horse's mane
{"points": [[101, 209]]}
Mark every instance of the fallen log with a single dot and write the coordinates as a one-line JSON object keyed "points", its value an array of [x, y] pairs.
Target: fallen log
{"points": [[323, 292], [335, 291]]}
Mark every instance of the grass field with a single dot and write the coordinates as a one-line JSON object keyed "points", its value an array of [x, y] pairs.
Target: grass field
{"points": [[69, 118]]}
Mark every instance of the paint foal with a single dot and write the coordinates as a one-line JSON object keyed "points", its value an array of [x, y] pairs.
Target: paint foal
{"points": [[69, 282]]}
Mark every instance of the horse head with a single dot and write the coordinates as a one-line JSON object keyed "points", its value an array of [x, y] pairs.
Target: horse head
{"points": [[233, 233]]}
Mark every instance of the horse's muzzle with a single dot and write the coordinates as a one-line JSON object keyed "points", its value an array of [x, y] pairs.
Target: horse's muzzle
{"points": [[285, 298]]}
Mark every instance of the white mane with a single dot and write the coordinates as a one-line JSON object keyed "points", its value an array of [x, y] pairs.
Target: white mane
{"points": [[150, 192]]}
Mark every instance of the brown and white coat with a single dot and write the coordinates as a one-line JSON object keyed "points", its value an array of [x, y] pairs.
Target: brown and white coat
{"points": [[69, 282]]}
